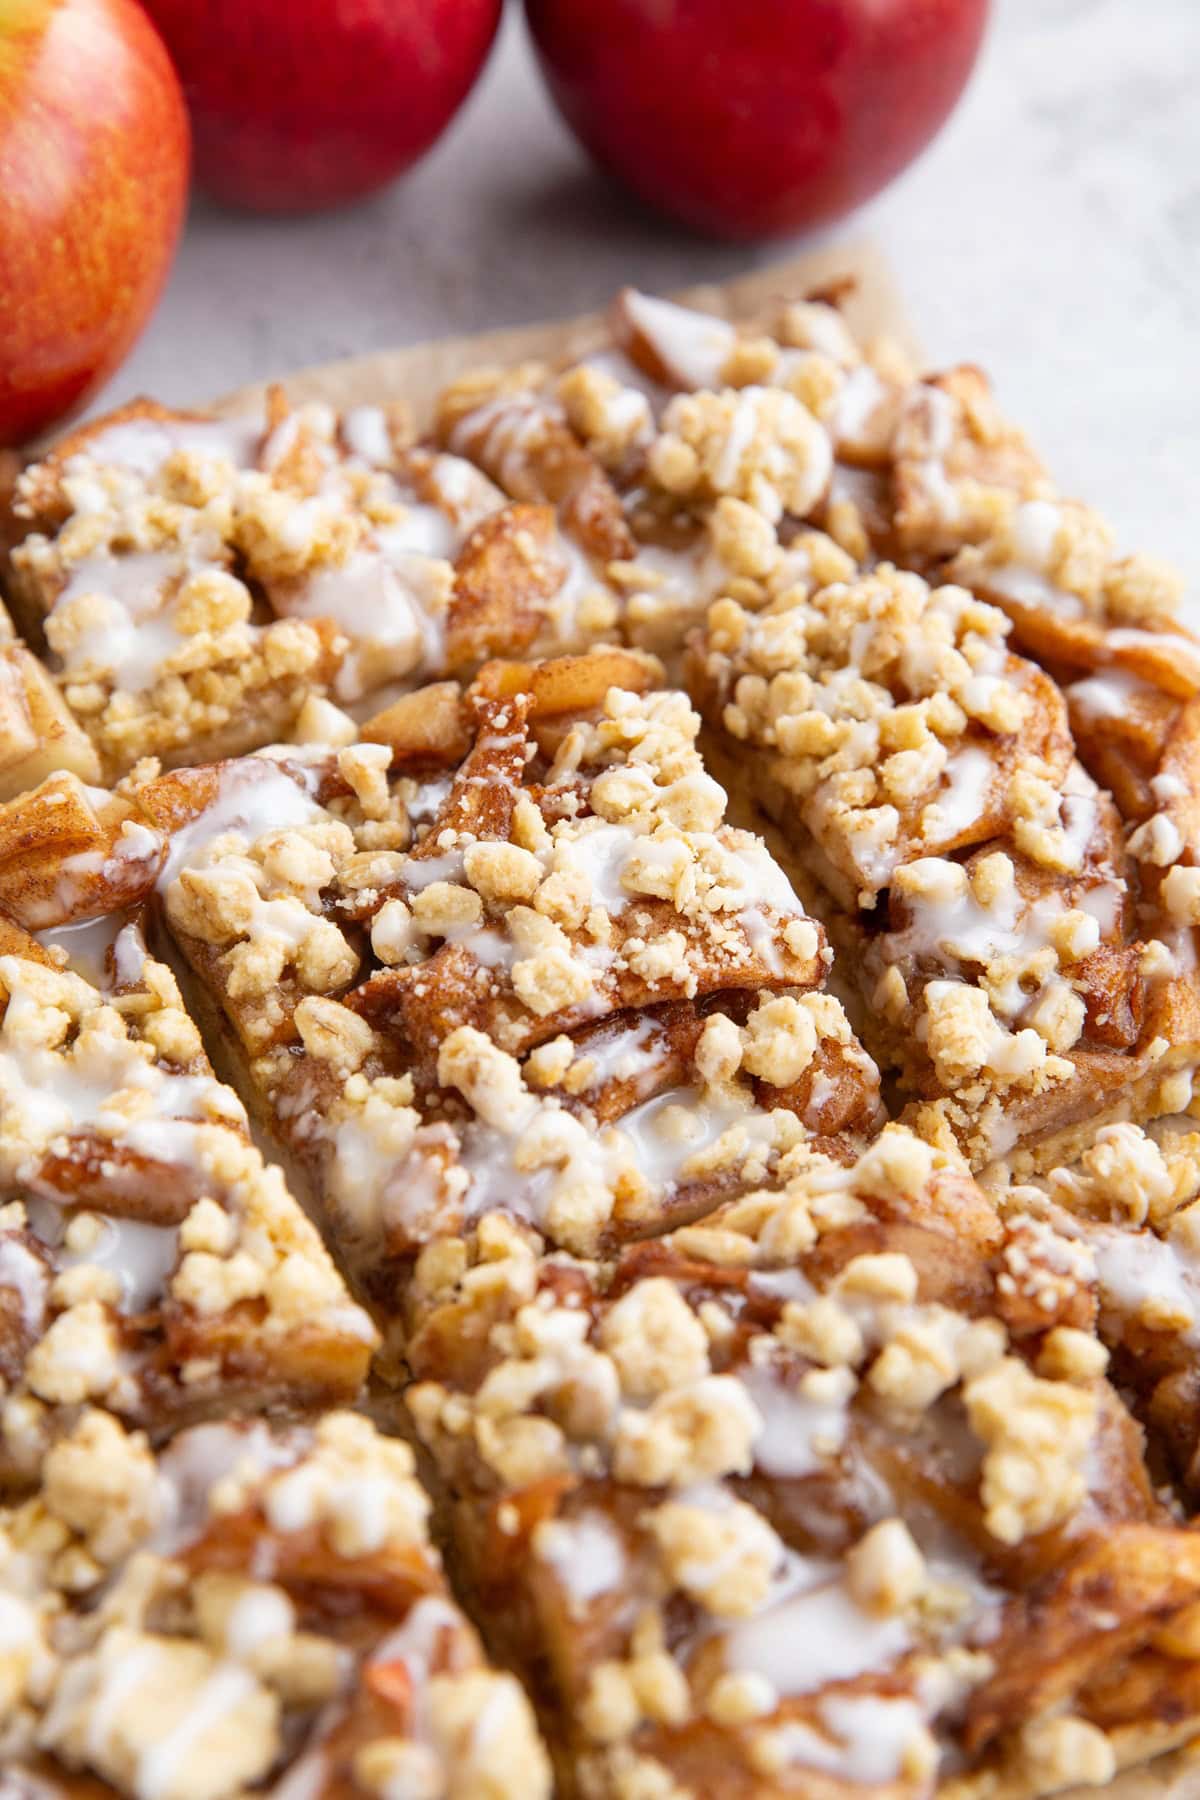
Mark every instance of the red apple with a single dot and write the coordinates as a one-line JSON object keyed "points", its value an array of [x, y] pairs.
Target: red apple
{"points": [[93, 184], [299, 104], [751, 120]]}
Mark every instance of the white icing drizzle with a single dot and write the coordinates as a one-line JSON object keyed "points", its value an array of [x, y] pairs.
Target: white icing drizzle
{"points": [[388, 603], [662, 1136], [862, 394], [26, 1276], [133, 632], [511, 424], [941, 418], [692, 346], [488, 1157], [142, 446], [365, 430], [254, 796], [799, 1436], [87, 944], [119, 1680], [782, 1284], [1138, 1271], [579, 580], [1027, 579], [627, 1054], [141, 1254], [195, 1461], [587, 1556], [870, 1735], [810, 1631], [671, 587], [742, 427], [1107, 695], [964, 799], [1025, 587], [602, 851]]}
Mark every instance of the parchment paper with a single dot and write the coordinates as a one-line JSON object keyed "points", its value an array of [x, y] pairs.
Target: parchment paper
{"points": [[418, 372]]}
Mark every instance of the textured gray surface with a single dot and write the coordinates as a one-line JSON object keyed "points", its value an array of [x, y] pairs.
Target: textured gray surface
{"points": [[1052, 233]]}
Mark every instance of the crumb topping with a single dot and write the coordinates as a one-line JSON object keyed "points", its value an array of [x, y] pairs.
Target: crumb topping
{"points": [[249, 1594], [775, 1451], [562, 875]]}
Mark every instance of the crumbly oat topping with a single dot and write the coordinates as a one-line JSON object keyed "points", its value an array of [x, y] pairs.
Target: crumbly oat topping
{"points": [[759, 1428], [545, 888], [148, 1255], [249, 1593], [624, 1397]]}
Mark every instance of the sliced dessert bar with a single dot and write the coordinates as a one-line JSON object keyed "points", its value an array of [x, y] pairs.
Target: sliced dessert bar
{"points": [[826, 1493], [125, 569], [1130, 1206], [253, 1604], [149, 1259], [539, 972], [196, 580], [1027, 964], [39, 735]]}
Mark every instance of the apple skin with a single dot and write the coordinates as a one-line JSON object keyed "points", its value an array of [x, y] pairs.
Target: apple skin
{"points": [[94, 162], [93, 189], [301, 104], [753, 120]]}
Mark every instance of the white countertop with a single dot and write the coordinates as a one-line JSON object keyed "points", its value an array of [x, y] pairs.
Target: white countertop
{"points": [[1052, 234]]}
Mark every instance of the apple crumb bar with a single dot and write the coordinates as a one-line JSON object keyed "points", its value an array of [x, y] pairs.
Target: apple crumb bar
{"points": [[253, 1591], [538, 974], [604, 983]]}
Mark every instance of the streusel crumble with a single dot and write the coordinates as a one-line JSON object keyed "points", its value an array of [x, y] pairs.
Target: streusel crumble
{"points": [[691, 861]]}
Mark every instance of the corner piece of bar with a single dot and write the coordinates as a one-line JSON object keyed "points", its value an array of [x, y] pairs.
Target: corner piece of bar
{"points": [[195, 581], [252, 1603], [1024, 946], [538, 973], [807, 1495], [149, 1259], [123, 564]]}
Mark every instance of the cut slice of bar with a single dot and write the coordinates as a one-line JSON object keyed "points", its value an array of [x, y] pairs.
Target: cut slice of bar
{"points": [[826, 1492], [39, 736], [538, 973], [1107, 624], [912, 467], [255, 1603], [149, 1258], [1130, 1206], [414, 553], [126, 570], [700, 422], [677, 495], [1023, 965], [155, 546], [717, 444]]}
